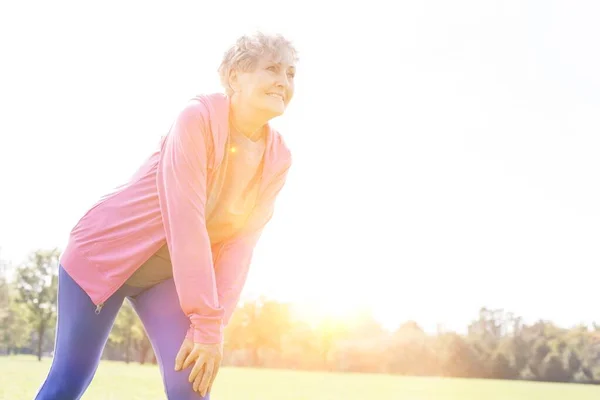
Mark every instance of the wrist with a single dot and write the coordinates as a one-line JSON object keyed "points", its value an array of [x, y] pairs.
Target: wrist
{"points": [[197, 334]]}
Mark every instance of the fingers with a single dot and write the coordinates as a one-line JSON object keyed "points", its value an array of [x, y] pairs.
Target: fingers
{"points": [[212, 380], [207, 377], [181, 357], [198, 379], [206, 360], [197, 368], [191, 357]]}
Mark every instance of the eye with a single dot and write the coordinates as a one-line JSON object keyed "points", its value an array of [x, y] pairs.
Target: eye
{"points": [[272, 68], [292, 74]]}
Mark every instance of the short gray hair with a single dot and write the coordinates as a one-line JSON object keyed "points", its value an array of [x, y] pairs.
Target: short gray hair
{"points": [[248, 49]]}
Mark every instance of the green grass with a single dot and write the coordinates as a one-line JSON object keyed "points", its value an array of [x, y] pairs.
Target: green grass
{"points": [[21, 376]]}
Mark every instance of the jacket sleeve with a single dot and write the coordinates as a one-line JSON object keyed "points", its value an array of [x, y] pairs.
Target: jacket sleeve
{"points": [[182, 192], [234, 258]]}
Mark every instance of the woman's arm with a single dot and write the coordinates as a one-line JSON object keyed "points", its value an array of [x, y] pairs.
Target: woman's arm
{"points": [[233, 261], [181, 181]]}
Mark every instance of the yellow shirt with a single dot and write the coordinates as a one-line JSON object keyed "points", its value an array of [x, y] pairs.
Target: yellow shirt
{"points": [[230, 201]]}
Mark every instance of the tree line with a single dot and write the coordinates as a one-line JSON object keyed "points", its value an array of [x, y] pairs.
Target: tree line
{"points": [[266, 333]]}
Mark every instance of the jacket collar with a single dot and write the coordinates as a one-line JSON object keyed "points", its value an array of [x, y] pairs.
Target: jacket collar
{"points": [[276, 157]]}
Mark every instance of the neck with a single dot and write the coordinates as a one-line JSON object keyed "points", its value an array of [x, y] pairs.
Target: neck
{"points": [[245, 120]]}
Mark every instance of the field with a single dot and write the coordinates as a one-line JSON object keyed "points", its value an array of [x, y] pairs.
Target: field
{"points": [[21, 376]]}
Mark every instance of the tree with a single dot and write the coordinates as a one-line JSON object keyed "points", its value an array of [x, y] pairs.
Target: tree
{"points": [[37, 286], [4, 295], [540, 351], [552, 369], [15, 327], [4, 306], [128, 332], [501, 368], [572, 362], [520, 351], [258, 327], [456, 358], [328, 333], [145, 347], [410, 351]]}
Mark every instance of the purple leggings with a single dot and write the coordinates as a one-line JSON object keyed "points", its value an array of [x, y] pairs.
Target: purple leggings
{"points": [[81, 335]]}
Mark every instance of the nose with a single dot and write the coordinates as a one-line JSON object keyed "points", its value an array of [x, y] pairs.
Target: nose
{"points": [[282, 80]]}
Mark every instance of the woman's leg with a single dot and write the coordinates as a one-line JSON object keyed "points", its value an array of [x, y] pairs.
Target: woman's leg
{"points": [[166, 324], [81, 335]]}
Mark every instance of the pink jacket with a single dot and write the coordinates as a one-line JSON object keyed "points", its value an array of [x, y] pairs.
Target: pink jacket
{"points": [[165, 201]]}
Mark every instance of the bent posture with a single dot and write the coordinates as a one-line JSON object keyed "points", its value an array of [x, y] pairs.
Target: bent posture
{"points": [[177, 239]]}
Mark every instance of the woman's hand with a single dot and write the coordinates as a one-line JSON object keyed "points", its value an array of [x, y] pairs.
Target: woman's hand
{"points": [[206, 359]]}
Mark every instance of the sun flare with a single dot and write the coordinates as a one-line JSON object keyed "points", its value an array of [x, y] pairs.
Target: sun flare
{"points": [[336, 310]]}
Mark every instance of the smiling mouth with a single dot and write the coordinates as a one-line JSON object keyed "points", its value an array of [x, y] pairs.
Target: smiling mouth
{"points": [[277, 96]]}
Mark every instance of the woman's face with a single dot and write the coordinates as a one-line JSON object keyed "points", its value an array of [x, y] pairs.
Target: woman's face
{"points": [[268, 88]]}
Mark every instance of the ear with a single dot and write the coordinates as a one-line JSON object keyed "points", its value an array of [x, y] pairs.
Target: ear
{"points": [[234, 81]]}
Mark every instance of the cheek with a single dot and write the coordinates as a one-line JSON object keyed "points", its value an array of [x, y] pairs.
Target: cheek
{"points": [[254, 93], [260, 87], [290, 91]]}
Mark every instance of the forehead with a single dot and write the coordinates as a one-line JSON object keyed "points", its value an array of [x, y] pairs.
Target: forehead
{"points": [[285, 58]]}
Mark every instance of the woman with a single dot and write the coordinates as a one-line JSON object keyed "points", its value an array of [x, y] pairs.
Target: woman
{"points": [[177, 239]]}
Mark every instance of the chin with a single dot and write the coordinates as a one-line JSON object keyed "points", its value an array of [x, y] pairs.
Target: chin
{"points": [[274, 108], [274, 111]]}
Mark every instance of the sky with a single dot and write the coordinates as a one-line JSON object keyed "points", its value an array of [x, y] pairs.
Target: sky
{"points": [[445, 153]]}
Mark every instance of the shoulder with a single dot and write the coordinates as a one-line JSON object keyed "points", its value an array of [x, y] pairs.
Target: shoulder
{"points": [[206, 116], [192, 126], [205, 107]]}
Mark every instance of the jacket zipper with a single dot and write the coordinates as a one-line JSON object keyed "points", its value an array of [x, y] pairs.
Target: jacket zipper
{"points": [[101, 305]]}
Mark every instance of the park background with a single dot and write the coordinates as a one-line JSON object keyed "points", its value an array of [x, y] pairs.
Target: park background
{"points": [[441, 216]]}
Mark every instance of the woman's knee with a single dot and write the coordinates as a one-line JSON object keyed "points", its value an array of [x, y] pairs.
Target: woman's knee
{"points": [[178, 387], [65, 383]]}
